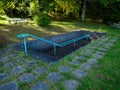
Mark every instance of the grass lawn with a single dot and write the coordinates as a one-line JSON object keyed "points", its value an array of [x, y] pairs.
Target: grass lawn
{"points": [[104, 77]]}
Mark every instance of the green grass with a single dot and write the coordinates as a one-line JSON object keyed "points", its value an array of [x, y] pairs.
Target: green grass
{"points": [[108, 76], [105, 78]]}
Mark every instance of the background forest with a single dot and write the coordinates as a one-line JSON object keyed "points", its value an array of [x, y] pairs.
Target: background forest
{"points": [[104, 11]]}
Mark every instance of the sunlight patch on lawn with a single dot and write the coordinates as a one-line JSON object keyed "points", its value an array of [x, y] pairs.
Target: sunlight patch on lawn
{"points": [[6, 30], [3, 19]]}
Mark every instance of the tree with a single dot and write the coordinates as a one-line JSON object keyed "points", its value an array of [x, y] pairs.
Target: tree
{"points": [[83, 10], [68, 6], [106, 2]]}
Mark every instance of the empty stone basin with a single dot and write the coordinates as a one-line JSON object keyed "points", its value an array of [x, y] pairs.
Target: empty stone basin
{"points": [[44, 51]]}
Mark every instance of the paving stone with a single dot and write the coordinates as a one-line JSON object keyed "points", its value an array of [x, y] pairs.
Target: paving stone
{"points": [[85, 66], [95, 47], [102, 49], [9, 86], [90, 51], [10, 64], [92, 61], [1, 54], [21, 60], [8, 51], [75, 62], [17, 70], [113, 40], [55, 76], [26, 78], [40, 70], [3, 76], [65, 68], [97, 56], [79, 73], [81, 58], [30, 64], [99, 44], [13, 55], [86, 53], [100, 53], [71, 84], [106, 46], [4, 59], [41, 86]]}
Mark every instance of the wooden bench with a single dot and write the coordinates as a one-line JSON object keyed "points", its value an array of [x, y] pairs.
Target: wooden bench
{"points": [[17, 20]]}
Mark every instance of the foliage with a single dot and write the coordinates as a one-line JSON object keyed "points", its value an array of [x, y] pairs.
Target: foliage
{"points": [[109, 13], [34, 7], [42, 19], [68, 9], [68, 6], [106, 2]]}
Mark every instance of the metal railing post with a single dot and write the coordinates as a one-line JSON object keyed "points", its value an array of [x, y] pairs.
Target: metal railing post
{"points": [[74, 43], [54, 49], [25, 45]]}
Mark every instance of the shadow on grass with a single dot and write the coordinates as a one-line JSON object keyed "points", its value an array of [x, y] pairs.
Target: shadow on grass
{"points": [[95, 27], [13, 30], [56, 28]]}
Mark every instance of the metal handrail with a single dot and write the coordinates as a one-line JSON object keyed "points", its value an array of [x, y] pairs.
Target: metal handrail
{"points": [[25, 35]]}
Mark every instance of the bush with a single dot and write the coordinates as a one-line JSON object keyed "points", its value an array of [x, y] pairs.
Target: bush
{"points": [[42, 19], [4, 40]]}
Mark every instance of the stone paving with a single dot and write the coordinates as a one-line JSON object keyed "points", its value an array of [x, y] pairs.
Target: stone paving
{"points": [[16, 69], [64, 68], [26, 78], [79, 73], [40, 70], [85, 66], [54, 77], [3, 76], [40, 86], [71, 84], [9, 86]]}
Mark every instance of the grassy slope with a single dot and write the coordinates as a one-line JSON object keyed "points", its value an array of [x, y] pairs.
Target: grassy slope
{"points": [[108, 76], [104, 78]]}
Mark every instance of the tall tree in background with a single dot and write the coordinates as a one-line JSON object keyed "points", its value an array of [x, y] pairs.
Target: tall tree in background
{"points": [[106, 2], [68, 6], [83, 10], [71, 9]]}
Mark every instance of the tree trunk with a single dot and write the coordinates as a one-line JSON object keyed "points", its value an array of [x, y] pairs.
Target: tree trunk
{"points": [[83, 10]]}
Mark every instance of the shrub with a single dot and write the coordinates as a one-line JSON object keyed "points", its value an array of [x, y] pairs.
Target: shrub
{"points": [[4, 40], [42, 19]]}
